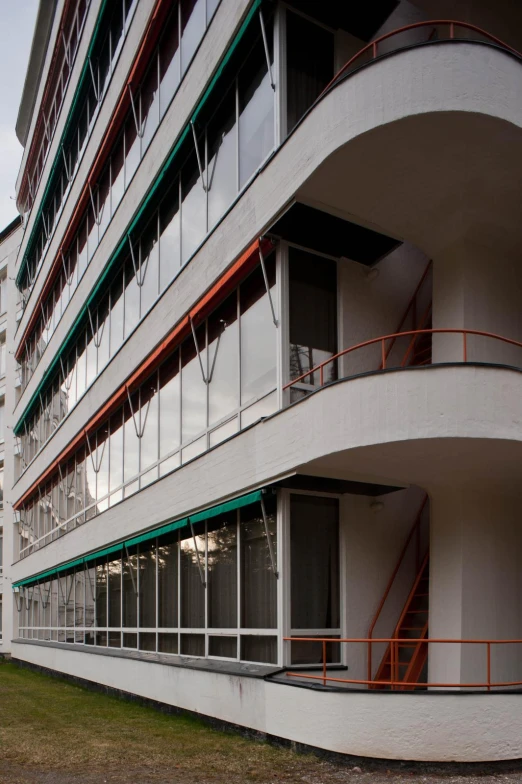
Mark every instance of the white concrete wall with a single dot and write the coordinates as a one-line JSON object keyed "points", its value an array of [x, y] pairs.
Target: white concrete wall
{"points": [[392, 726], [372, 542], [374, 306]]}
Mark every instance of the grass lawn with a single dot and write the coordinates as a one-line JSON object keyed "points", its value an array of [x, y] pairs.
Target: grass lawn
{"points": [[54, 732]]}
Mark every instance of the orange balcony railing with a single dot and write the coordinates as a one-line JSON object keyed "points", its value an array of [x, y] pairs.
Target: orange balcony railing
{"points": [[419, 33], [414, 334], [395, 683]]}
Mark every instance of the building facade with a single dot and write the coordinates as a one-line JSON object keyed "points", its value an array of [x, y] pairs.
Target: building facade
{"points": [[10, 239], [266, 426]]}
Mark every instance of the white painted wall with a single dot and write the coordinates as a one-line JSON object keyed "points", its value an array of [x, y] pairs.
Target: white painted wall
{"points": [[390, 726], [374, 306]]}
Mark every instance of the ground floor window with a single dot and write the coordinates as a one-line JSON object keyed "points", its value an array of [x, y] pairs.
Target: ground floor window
{"points": [[314, 568], [206, 590]]}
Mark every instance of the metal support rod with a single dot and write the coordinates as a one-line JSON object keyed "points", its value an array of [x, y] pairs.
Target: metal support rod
{"points": [[97, 339], [139, 130], [66, 50], [95, 85], [265, 278], [216, 353], [205, 380], [140, 271], [134, 586], [45, 604], [93, 588], [268, 539], [19, 604], [141, 429], [203, 185], [97, 218], [201, 572], [265, 44], [66, 165], [45, 225]]}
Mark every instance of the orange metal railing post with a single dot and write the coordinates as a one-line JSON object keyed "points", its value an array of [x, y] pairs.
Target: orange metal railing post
{"points": [[374, 47], [324, 662], [452, 30], [465, 346], [488, 648], [383, 354]]}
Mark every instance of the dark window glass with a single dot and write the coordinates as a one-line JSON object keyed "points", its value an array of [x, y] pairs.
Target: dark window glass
{"points": [[168, 584], [310, 64], [314, 559], [130, 604], [259, 649], [258, 581], [222, 573], [192, 588], [114, 569], [256, 111], [147, 589], [313, 314]]}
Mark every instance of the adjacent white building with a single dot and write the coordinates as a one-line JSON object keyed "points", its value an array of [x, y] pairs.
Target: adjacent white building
{"points": [[269, 346]]}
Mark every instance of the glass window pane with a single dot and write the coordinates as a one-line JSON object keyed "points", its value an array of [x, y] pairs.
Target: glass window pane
{"points": [[259, 649], [192, 588], [256, 111], [101, 595], [114, 578], [148, 265], [169, 61], [131, 461], [313, 314], [314, 558], [117, 174], [222, 573], [132, 298], [193, 388], [222, 159], [258, 581], [168, 582], [310, 64], [193, 208], [193, 24], [117, 313], [170, 410], [223, 340], [116, 450], [149, 100], [147, 587], [149, 422], [170, 249], [132, 149], [130, 599], [258, 335]]}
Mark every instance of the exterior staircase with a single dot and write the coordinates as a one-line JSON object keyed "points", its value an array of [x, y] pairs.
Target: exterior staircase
{"points": [[405, 663]]}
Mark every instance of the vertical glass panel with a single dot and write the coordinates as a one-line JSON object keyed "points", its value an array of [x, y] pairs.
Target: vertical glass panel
{"points": [[193, 22], [256, 111], [313, 314], [211, 8], [148, 265], [90, 593], [103, 332], [132, 147], [131, 462], [147, 587], [117, 174], [259, 649], [102, 463], [114, 579], [101, 595], [224, 646], [82, 249], [193, 388], [170, 411], [149, 422], [92, 232], [222, 158], [90, 479], [170, 238], [91, 358], [168, 582], [310, 64], [222, 572], [129, 586], [104, 203], [258, 335], [132, 297], [194, 205], [314, 557], [117, 313], [192, 644], [192, 588], [116, 450], [149, 99], [81, 366], [223, 359], [258, 581], [169, 60], [168, 643]]}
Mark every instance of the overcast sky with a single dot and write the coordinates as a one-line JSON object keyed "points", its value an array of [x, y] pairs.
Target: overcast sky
{"points": [[17, 18]]}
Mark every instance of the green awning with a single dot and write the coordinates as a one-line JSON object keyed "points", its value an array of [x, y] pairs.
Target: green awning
{"points": [[100, 286], [212, 511]]}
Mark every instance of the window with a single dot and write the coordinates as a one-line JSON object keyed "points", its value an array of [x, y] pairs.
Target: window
{"points": [[177, 593], [1, 554], [2, 418], [3, 294], [313, 315], [3, 355], [314, 566]]}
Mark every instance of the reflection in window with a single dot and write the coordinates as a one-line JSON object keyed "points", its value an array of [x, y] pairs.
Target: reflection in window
{"points": [[313, 315], [256, 113], [175, 593]]}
